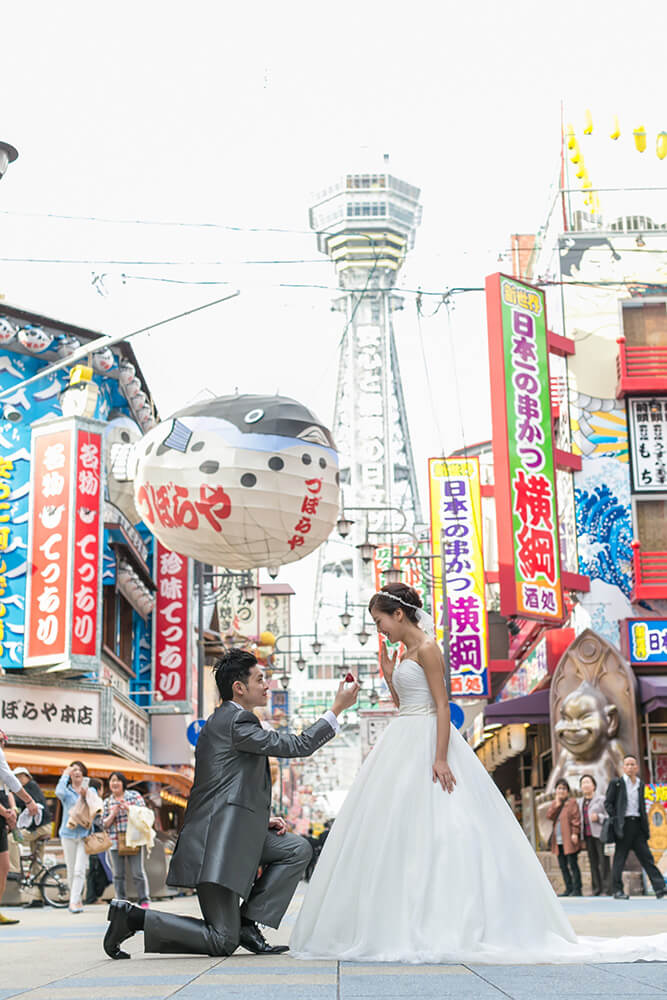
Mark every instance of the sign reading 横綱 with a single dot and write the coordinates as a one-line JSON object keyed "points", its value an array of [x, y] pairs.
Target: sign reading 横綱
{"points": [[523, 451], [171, 631], [456, 526], [63, 600]]}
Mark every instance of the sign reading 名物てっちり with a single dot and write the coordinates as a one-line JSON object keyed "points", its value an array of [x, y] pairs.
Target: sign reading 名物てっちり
{"points": [[171, 628], [523, 451], [456, 527]]}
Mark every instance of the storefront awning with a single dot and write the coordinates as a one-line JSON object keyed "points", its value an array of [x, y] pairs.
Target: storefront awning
{"points": [[100, 765], [653, 693], [529, 708]]}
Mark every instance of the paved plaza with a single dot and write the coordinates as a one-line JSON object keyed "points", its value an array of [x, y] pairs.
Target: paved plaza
{"points": [[55, 955]]}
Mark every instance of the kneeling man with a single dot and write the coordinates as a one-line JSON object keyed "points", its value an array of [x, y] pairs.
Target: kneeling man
{"points": [[228, 832]]}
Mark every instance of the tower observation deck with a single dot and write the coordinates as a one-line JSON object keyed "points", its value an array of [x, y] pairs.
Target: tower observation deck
{"points": [[366, 224]]}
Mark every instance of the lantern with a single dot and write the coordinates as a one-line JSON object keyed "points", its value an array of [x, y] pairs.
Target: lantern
{"points": [[640, 139], [588, 123], [103, 360], [67, 345], [239, 481], [616, 129], [7, 331], [571, 138], [661, 145], [120, 440], [34, 339]]}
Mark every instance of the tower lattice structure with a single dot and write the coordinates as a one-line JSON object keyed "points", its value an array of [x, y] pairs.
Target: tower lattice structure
{"points": [[366, 224]]}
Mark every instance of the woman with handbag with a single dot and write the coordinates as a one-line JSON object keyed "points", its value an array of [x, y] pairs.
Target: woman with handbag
{"points": [[114, 819], [80, 803], [566, 837]]}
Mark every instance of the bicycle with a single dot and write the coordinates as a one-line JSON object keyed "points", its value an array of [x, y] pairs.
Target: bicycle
{"points": [[50, 880]]}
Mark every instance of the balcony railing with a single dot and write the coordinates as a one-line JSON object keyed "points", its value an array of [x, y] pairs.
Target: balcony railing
{"points": [[650, 570], [641, 368]]}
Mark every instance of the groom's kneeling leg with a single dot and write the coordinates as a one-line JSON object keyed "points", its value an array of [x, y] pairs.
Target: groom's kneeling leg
{"points": [[284, 861], [217, 934]]}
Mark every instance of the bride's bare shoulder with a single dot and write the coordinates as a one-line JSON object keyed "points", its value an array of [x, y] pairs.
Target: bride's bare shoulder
{"points": [[427, 650]]}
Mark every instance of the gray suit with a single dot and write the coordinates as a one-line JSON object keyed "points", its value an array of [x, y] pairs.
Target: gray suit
{"points": [[225, 836]]}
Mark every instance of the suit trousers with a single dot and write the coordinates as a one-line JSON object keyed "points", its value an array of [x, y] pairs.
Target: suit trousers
{"points": [[569, 869], [634, 839], [599, 863], [283, 861]]}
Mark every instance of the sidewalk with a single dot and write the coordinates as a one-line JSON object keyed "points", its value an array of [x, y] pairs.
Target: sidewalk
{"points": [[55, 955]]}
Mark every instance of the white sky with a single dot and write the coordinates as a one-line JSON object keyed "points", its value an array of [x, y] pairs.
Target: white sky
{"points": [[232, 114]]}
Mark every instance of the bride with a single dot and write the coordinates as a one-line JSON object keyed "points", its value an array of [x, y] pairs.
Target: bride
{"points": [[425, 862]]}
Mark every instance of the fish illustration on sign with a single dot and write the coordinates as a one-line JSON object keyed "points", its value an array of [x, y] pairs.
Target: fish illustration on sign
{"points": [[239, 481]]}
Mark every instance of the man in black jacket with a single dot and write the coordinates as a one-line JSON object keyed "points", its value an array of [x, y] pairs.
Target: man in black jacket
{"points": [[626, 806]]}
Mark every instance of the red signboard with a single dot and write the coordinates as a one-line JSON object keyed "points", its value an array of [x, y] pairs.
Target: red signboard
{"points": [[88, 530], [49, 547], [172, 627]]}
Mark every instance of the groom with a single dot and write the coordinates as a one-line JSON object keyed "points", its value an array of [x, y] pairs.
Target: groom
{"points": [[228, 832]]}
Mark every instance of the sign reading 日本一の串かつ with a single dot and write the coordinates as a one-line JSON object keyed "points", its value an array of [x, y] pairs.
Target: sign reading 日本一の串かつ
{"points": [[523, 451], [456, 525]]}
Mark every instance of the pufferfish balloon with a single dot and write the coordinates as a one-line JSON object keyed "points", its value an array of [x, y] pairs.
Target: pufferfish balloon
{"points": [[239, 481]]}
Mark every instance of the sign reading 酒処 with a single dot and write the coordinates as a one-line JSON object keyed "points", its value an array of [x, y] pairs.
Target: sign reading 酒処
{"points": [[523, 451], [456, 527]]}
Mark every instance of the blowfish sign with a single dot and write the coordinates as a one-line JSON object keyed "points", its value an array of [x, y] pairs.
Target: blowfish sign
{"points": [[63, 599], [523, 451], [456, 527]]}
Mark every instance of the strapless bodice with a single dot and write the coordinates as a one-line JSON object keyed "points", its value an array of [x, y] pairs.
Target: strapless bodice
{"points": [[412, 688]]}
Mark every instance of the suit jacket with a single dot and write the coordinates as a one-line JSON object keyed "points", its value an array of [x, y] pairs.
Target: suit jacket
{"points": [[616, 802], [570, 824], [227, 815], [595, 805]]}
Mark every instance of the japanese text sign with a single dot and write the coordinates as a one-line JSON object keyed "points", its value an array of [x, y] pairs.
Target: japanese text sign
{"points": [[49, 555], [55, 714], [172, 627], [648, 441], [88, 530], [647, 640], [456, 528], [523, 451]]}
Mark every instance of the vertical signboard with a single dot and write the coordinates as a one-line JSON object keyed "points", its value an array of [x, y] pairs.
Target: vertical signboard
{"points": [[523, 451], [49, 546], [456, 527], [647, 419], [88, 532], [172, 674]]}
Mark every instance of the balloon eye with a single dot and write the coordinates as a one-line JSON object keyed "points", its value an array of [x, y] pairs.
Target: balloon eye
{"points": [[253, 416]]}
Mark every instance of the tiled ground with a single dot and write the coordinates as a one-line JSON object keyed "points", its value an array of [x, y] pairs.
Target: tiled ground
{"points": [[53, 955]]}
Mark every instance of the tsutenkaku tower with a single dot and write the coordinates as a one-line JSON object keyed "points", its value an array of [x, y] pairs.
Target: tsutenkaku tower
{"points": [[366, 224]]}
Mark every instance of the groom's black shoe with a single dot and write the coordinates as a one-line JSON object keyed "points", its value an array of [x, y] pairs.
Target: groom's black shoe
{"points": [[123, 923], [253, 940]]}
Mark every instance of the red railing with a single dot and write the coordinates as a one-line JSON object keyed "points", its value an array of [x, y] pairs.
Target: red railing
{"points": [[642, 368], [650, 570]]}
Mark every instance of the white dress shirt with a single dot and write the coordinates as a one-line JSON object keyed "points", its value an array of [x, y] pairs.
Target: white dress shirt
{"points": [[633, 796], [7, 776], [328, 716]]}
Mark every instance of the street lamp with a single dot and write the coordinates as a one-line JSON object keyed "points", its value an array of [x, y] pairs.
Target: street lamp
{"points": [[392, 575], [344, 525], [373, 696], [366, 550], [7, 155], [363, 636], [273, 571], [284, 680], [300, 661], [248, 591]]}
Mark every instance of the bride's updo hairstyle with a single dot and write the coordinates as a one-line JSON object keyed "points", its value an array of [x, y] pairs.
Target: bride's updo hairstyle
{"points": [[408, 601]]}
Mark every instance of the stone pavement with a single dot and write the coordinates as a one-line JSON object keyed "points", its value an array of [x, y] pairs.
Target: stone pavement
{"points": [[55, 955]]}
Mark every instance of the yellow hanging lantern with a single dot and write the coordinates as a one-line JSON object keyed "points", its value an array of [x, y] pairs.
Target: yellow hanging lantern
{"points": [[640, 139], [661, 145], [571, 137], [581, 171], [616, 130], [588, 123], [576, 153], [586, 183]]}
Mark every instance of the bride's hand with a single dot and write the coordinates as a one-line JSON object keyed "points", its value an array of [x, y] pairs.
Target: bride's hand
{"points": [[387, 662], [442, 773]]}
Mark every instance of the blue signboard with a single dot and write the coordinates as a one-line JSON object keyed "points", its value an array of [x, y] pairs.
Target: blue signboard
{"points": [[193, 731], [647, 640]]}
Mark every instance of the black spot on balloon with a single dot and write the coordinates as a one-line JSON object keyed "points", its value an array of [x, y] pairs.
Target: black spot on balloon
{"points": [[323, 463], [248, 479], [306, 459], [337, 478], [149, 448], [209, 467], [276, 463], [124, 436], [197, 446], [162, 449]]}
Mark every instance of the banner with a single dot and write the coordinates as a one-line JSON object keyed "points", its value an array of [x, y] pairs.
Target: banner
{"points": [[171, 631], [523, 452], [88, 534], [456, 525]]}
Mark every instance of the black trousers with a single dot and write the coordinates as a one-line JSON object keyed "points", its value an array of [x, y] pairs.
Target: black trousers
{"points": [[599, 863], [284, 860], [634, 839], [569, 869]]}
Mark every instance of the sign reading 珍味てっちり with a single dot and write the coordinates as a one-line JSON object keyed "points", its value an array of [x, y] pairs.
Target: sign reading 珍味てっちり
{"points": [[172, 630], [456, 527], [523, 451]]}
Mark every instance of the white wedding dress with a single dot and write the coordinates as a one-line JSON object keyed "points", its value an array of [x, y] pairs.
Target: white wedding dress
{"points": [[410, 873]]}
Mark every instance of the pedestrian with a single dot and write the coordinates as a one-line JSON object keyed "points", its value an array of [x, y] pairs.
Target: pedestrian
{"points": [[565, 837], [9, 783], [592, 815], [80, 804], [36, 834], [114, 820], [626, 807]]}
